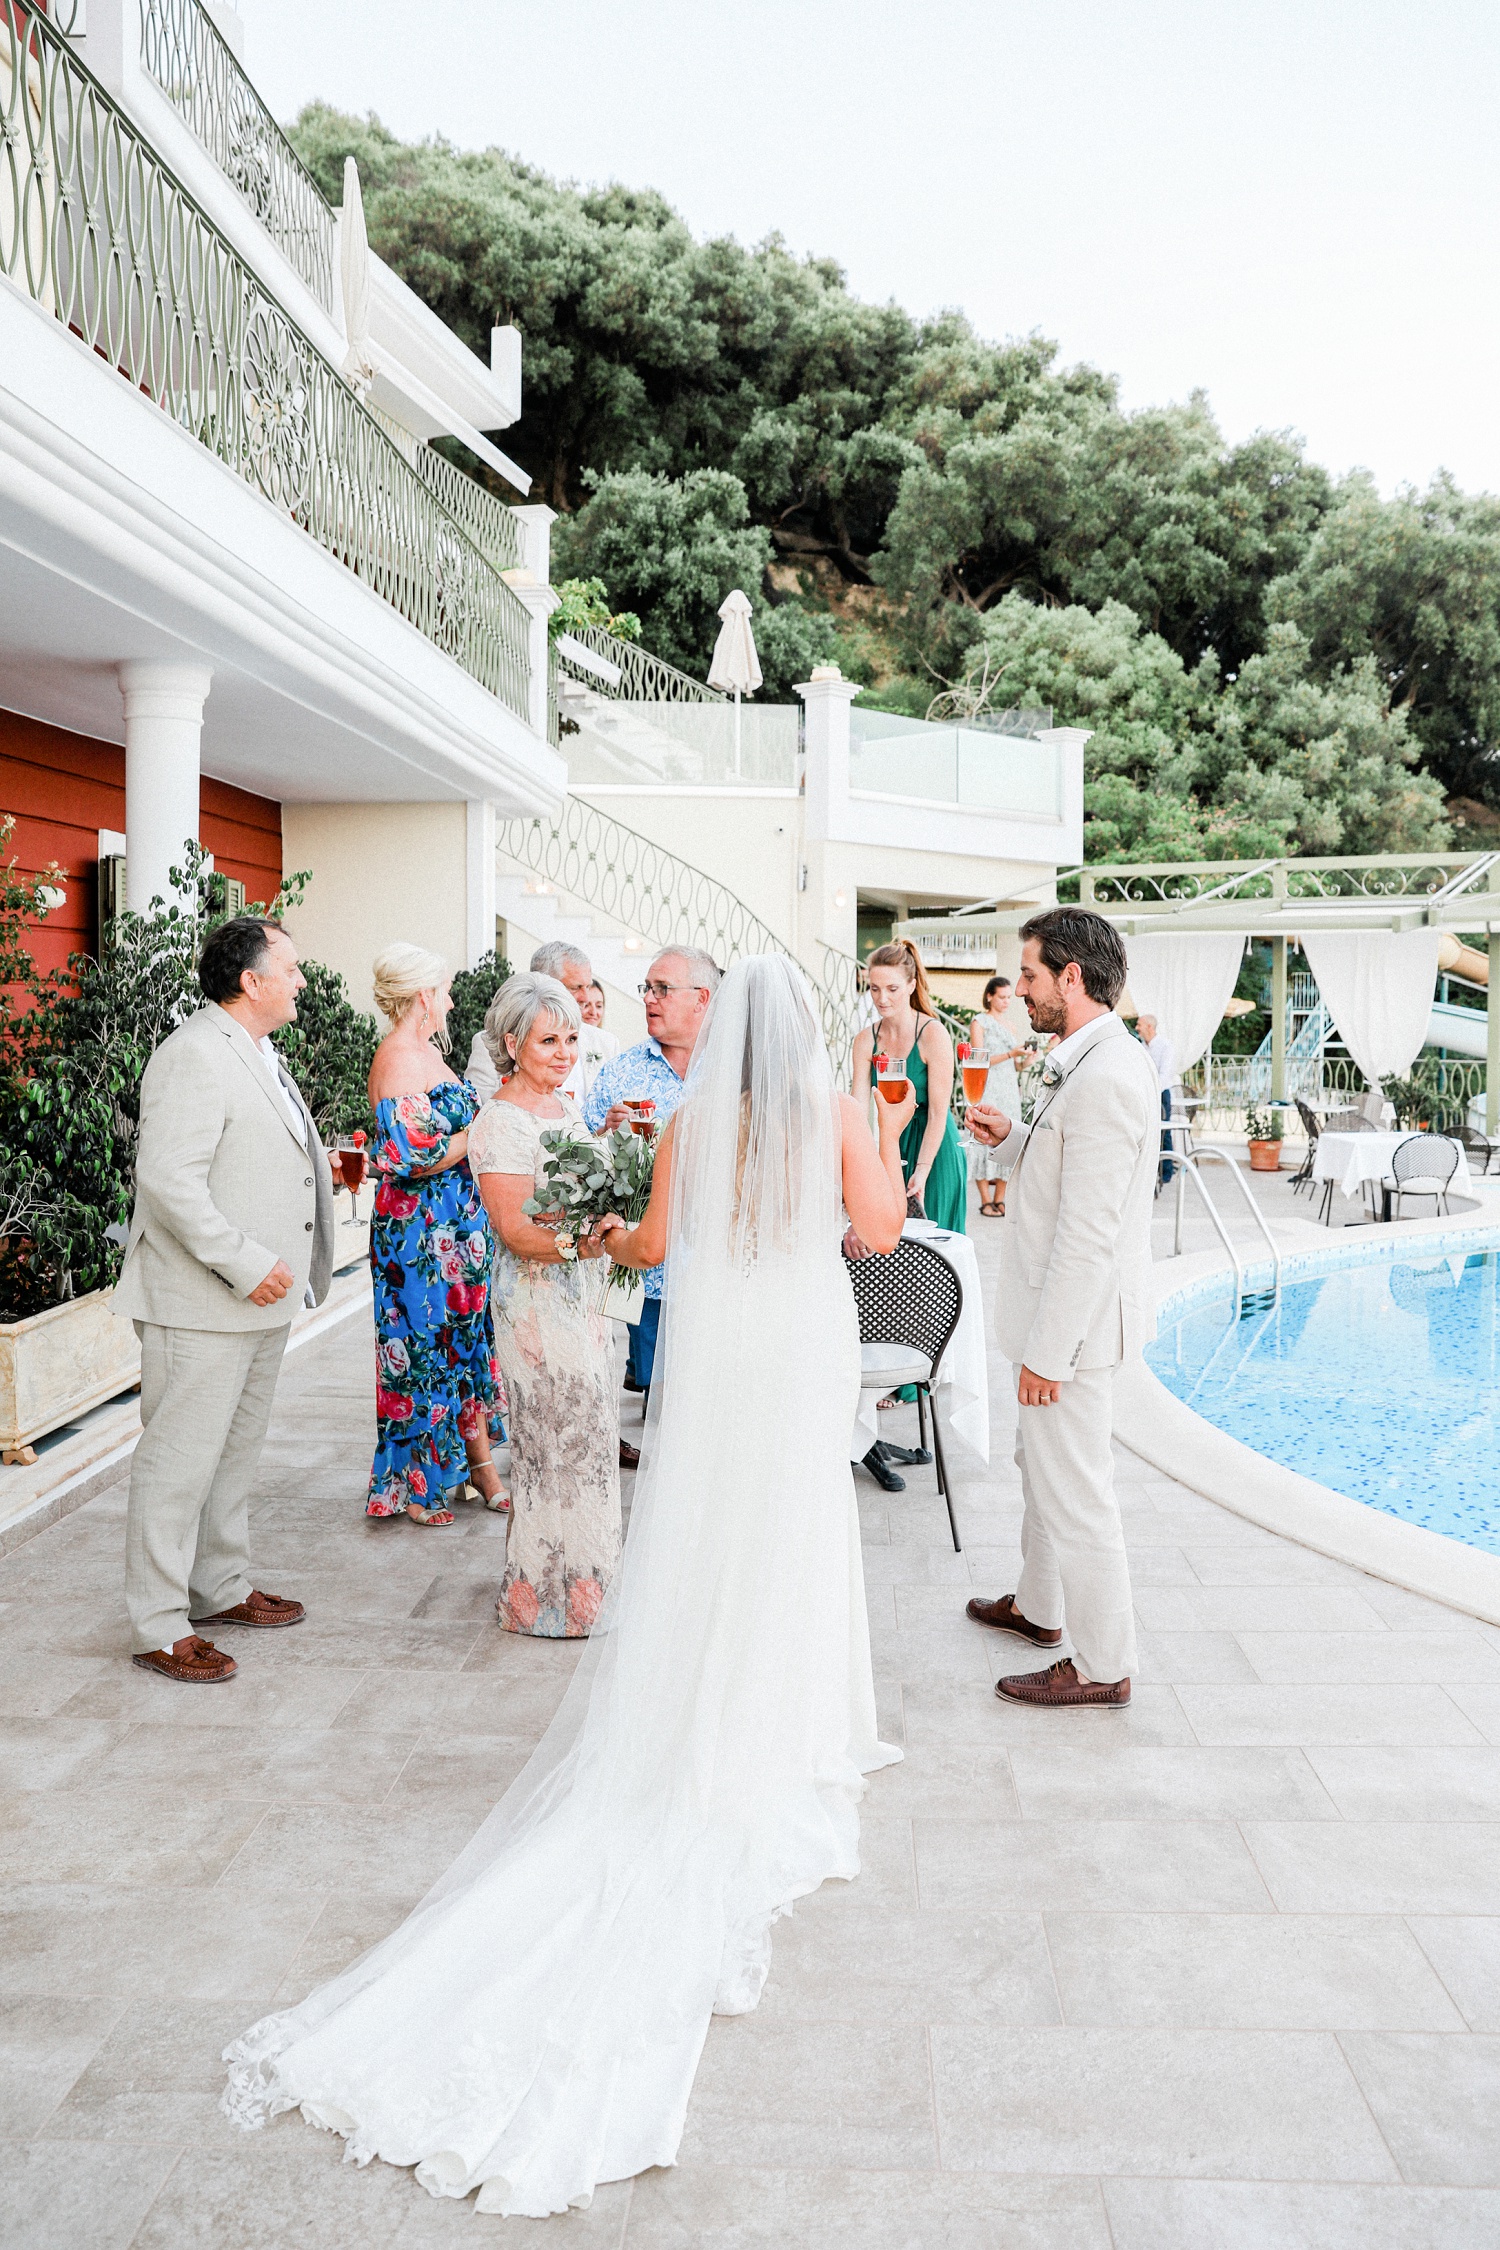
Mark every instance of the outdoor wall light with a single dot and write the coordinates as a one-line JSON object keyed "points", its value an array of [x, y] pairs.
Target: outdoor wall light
{"points": [[840, 898]]}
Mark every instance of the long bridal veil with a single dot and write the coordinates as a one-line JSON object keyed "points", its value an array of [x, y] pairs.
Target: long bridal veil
{"points": [[534, 2027]]}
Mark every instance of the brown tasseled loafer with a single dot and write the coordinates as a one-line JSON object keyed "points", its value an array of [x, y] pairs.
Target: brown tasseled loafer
{"points": [[1006, 1618], [257, 1609], [1058, 1687], [194, 1660]]}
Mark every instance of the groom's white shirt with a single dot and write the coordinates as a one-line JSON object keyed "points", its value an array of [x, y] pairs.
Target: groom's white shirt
{"points": [[1075, 1254]]}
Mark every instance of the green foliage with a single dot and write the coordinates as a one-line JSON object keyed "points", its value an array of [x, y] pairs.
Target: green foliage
{"points": [[329, 1050], [1282, 662], [472, 991], [71, 1068], [1418, 1100], [1190, 765], [585, 601], [1264, 1124]]}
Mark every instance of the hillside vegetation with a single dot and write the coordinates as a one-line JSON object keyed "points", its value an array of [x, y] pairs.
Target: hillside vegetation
{"points": [[1271, 659]]}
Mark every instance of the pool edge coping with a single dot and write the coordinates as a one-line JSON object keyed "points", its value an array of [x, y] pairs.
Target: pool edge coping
{"points": [[1158, 1428]]}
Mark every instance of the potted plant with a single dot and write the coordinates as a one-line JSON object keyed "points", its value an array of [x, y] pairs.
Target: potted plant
{"points": [[1263, 1129]]}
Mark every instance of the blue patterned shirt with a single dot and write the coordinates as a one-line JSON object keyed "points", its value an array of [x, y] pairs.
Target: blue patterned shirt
{"points": [[642, 1072]]}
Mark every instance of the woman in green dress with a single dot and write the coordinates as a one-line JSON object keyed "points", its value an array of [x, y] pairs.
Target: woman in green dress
{"points": [[931, 1155]]}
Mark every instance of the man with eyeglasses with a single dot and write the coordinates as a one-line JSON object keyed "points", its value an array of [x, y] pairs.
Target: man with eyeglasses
{"points": [[677, 990]]}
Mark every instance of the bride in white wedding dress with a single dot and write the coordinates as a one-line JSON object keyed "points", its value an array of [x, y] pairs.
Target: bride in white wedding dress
{"points": [[534, 2027]]}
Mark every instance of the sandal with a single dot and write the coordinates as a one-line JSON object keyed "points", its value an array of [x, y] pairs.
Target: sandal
{"points": [[427, 1519], [499, 1499]]}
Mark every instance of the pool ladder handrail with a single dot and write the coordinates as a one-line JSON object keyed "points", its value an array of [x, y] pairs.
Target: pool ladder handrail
{"points": [[1188, 1162]]}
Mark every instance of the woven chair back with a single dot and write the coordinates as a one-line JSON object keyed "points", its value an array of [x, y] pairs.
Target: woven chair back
{"points": [[912, 1297], [1426, 1156]]}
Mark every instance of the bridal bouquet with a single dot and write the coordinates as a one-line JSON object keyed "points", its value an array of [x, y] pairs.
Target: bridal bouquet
{"points": [[586, 1180]]}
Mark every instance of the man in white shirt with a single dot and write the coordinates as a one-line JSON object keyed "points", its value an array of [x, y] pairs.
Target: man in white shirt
{"points": [[1164, 1060], [596, 1046]]}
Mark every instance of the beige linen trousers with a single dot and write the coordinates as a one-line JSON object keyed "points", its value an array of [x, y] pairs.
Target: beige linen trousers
{"points": [[225, 1185]]}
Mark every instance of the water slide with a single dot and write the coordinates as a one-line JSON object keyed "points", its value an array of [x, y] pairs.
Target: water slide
{"points": [[1463, 1031]]}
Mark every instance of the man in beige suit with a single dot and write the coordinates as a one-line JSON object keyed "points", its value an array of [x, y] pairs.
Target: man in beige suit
{"points": [[1074, 1300], [232, 1232]]}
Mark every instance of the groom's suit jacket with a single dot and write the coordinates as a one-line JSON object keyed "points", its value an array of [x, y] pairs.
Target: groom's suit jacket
{"points": [[1075, 1251], [225, 1184]]}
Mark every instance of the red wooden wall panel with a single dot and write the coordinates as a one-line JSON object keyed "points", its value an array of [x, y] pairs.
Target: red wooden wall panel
{"points": [[63, 788]]}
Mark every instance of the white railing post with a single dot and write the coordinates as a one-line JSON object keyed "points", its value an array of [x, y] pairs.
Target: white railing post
{"points": [[827, 897], [531, 585]]}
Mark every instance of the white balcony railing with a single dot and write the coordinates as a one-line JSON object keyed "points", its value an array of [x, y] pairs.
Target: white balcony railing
{"points": [[97, 230]]}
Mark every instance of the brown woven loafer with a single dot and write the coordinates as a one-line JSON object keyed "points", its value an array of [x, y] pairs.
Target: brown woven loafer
{"points": [[256, 1609], [1006, 1618], [194, 1660], [1057, 1687]]}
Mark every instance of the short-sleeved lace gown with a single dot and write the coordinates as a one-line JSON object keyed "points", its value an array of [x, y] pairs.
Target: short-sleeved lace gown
{"points": [[534, 2027]]}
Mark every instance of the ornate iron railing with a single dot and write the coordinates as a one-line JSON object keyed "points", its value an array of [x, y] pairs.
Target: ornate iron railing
{"points": [[1377, 876], [644, 678], [655, 895], [1228, 1085], [202, 78], [488, 522], [99, 231]]}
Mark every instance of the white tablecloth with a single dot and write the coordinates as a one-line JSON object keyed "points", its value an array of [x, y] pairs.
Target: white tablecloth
{"points": [[963, 1378], [1349, 1159]]}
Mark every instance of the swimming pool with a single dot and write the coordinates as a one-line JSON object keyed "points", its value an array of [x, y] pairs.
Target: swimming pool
{"points": [[1379, 1379]]}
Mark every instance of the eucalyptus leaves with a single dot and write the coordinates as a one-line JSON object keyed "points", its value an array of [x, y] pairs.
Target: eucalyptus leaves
{"points": [[585, 1181]]}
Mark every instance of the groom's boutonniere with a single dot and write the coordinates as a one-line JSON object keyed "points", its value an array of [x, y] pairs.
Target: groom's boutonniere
{"points": [[1053, 1074]]}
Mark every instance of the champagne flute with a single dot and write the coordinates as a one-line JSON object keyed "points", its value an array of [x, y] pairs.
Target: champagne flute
{"points": [[351, 1154]]}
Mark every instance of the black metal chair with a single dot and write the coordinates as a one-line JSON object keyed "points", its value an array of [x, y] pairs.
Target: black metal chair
{"points": [[1423, 1165], [1474, 1144], [1302, 1177], [909, 1303]]}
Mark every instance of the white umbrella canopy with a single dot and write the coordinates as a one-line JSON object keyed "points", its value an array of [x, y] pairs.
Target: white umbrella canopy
{"points": [[354, 272], [735, 666]]}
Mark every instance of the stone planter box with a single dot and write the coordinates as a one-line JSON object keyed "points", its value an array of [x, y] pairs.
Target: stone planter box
{"points": [[57, 1364]]}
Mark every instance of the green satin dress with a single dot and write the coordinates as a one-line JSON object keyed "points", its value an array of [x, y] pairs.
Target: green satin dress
{"points": [[945, 1199]]}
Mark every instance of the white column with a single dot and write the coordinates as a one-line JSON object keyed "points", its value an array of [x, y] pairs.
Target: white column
{"points": [[163, 731], [827, 697], [531, 584], [1069, 743], [479, 869]]}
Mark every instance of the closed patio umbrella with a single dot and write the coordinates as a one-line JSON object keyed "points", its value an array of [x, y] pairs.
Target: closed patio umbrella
{"points": [[354, 272], [735, 667]]}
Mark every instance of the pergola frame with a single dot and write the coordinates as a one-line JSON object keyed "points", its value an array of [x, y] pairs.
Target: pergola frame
{"points": [[1279, 899]]}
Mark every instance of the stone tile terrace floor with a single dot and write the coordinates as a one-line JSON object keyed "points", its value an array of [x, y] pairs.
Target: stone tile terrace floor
{"points": [[1220, 1973]]}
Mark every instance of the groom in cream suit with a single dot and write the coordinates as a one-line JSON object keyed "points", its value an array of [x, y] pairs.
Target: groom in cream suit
{"points": [[232, 1233], [1074, 1300]]}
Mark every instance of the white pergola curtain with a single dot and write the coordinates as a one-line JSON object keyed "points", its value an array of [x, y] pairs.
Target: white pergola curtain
{"points": [[1377, 986], [1186, 980]]}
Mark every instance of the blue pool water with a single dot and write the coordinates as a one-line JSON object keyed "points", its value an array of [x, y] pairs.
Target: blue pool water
{"points": [[1381, 1381]]}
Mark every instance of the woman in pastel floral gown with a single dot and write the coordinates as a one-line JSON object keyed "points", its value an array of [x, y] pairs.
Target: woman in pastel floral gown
{"points": [[435, 1380], [554, 1348]]}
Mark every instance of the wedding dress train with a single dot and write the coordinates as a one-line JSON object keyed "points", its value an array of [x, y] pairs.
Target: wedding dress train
{"points": [[534, 2027]]}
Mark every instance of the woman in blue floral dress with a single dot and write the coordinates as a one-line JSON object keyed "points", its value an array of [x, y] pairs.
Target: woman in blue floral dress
{"points": [[436, 1383]]}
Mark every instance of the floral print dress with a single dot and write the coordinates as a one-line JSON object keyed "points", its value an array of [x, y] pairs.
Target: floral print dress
{"points": [[430, 1247], [557, 1358]]}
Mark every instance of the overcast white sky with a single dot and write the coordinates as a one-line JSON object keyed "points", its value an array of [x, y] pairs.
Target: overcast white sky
{"points": [[1292, 203]]}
